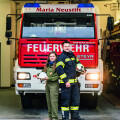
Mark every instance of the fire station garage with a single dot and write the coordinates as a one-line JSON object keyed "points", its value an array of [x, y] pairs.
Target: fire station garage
{"points": [[31, 29]]}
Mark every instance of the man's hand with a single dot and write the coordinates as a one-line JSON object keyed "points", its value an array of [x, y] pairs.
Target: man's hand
{"points": [[68, 84], [82, 73]]}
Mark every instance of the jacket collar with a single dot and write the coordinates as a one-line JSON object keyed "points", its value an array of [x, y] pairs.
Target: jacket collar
{"points": [[69, 54]]}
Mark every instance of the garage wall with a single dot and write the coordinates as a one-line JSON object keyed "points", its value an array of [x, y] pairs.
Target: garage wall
{"points": [[103, 19], [12, 46], [104, 10], [5, 8], [117, 15]]}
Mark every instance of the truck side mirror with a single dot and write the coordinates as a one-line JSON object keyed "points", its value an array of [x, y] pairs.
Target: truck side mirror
{"points": [[8, 27], [8, 23], [110, 23], [8, 34]]}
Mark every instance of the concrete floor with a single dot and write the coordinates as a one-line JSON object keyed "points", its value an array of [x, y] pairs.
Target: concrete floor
{"points": [[10, 108]]}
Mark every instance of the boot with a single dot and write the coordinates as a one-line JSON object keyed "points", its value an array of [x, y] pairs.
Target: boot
{"points": [[75, 115]]}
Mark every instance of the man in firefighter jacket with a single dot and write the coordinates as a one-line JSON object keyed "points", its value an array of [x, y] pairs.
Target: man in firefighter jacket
{"points": [[70, 94]]}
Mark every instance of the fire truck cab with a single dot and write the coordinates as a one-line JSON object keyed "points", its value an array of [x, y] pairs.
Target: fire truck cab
{"points": [[43, 29]]}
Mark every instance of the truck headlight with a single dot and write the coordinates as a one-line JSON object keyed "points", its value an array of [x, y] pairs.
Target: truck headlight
{"points": [[92, 76], [23, 76]]}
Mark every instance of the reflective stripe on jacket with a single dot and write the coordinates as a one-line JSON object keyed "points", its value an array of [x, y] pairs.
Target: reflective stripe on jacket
{"points": [[66, 67]]}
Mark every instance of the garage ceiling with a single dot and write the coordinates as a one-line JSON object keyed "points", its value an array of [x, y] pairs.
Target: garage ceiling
{"points": [[72, 1], [56, 0]]}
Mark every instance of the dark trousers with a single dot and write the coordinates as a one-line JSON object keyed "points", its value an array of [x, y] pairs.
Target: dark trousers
{"points": [[70, 101]]}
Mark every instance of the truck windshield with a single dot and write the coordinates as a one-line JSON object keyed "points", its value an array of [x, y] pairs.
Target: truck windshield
{"points": [[58, 25]]}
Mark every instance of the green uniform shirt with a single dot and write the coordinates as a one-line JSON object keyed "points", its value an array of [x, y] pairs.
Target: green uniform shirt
{"points": [[52, 74]]}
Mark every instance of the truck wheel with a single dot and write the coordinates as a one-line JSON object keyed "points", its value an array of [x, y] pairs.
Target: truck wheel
{"points": [[26, 100], [92, 102]]}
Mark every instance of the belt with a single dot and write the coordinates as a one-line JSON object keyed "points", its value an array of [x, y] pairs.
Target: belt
{"points": [[70, 80]]}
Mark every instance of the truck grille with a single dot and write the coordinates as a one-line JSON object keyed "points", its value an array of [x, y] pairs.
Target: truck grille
{"points": [[35, 55], [35, 60]]}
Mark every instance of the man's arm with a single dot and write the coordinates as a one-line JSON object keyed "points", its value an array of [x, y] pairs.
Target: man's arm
{"points": [[60, 70], [77, 60]]}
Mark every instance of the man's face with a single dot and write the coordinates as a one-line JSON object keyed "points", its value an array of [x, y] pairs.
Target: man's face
{"points": [[66, 47]]}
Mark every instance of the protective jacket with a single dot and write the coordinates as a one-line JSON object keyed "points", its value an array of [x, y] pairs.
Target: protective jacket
{"points": [[66, 67]]}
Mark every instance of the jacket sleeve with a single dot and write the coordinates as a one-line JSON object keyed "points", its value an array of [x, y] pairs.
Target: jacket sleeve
{"points": [[38, 74], [60, 70], [76, 59]]}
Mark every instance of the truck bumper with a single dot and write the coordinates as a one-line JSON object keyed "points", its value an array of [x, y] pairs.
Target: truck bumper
{"points": [[34, 85]]}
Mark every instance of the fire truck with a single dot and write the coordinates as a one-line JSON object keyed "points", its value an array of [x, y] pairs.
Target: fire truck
{"points": [[44, 27]]}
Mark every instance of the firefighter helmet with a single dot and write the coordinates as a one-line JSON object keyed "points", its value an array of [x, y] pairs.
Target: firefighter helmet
{"points": [[79, 67], [42, 75]]}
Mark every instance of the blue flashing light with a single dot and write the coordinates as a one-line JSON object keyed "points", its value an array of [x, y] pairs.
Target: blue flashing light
{"points": [[86, 5], [31, 5]]}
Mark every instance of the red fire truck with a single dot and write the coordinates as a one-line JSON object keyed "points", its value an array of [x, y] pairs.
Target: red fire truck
{"points": [[44, 27]]}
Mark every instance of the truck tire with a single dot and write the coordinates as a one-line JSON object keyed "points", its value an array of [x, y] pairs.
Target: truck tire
{"points": [[89, 101], [26, 101], [92, 101]]}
